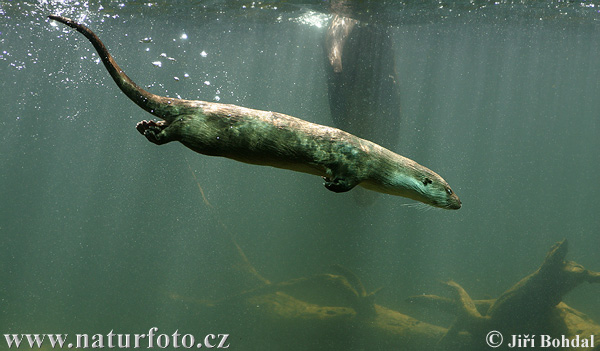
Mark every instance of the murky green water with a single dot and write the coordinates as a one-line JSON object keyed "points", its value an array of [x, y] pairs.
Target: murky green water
{"points": [[102, 230]]}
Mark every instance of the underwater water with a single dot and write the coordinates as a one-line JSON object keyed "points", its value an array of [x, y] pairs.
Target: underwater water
{"points": [[102, 230]]}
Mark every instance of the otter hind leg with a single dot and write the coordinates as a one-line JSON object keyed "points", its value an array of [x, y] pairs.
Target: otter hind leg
{"points": [[154, 131], [339, 185]]}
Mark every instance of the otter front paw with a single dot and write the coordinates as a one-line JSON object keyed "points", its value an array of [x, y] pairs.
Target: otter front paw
{"points": [[338, 185], [153, 131]]}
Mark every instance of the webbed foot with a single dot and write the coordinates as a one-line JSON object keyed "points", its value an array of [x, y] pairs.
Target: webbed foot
{"points": [[154, 131]]}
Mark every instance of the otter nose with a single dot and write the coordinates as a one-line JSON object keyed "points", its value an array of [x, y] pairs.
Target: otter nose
{"points": [[457, 204]]}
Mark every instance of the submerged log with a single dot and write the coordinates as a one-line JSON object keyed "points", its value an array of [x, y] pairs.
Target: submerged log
{"points": [[531, 307], [328, 311]]}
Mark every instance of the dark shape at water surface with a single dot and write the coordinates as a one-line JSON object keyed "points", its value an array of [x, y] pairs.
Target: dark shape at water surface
{"points": [[363, 85]]}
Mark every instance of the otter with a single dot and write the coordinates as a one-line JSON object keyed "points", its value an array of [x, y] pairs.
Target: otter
{"points": [[274, 139]]}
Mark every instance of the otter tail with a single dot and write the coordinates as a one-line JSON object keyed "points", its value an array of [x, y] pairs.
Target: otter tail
{"points": [[161, 107]]}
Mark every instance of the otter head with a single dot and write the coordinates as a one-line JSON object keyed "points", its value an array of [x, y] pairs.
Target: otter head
{"points": [[422, 184], [433, 190]]}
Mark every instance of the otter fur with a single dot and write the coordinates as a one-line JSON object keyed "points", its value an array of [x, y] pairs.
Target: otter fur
{"points": [[278, 140]]}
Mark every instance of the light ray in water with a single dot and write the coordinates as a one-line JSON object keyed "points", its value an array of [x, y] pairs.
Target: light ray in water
{"points": [[198, 182]]}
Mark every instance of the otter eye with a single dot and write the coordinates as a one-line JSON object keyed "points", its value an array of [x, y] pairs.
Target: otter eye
{"points": [[427, 181], [449, 191]]}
